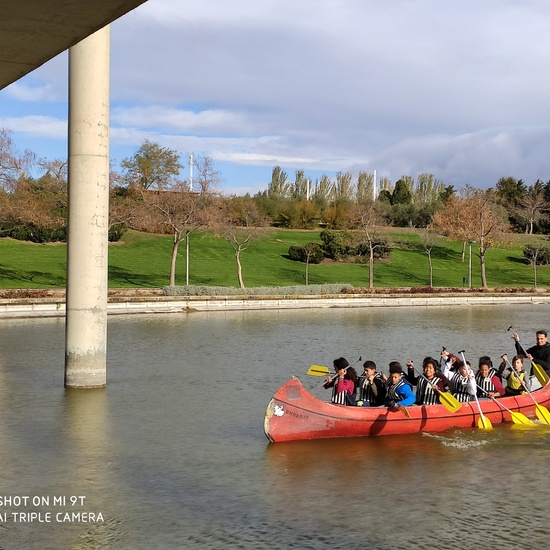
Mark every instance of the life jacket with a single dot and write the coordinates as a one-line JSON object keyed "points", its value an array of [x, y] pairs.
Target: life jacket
{"points": [[365, 389], [459, 387], [392, 394], [342, 397], [514, 383], [425, 394], [485, 383]]}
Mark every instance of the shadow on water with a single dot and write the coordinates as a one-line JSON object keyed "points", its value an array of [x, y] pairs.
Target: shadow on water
{"points": [[173, 454]]}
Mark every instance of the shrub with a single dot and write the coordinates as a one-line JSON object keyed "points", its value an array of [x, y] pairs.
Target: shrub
{"points": [[299, 253], [336, 244], [116, 232], [32, 233], [297, 290]]}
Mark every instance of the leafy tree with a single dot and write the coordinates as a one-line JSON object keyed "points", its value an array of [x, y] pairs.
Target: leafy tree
{"points": [[428, 189], [446, 193], [477, 218], [509, 190], [403, 215], [385, 196], [338, 215], [343, 190], [385, 185], [299, 215], [152, 167], [324, 191], [402, 193], [300, 191], [279, 186], [365, 187]]}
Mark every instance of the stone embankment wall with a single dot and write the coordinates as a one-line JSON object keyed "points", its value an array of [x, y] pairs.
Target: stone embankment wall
{"points": [[54, 306]]}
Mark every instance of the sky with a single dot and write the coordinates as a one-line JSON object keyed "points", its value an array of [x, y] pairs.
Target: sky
{"points": [[459, 89]]}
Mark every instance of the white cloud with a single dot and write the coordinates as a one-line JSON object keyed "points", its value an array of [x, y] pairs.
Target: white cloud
{"points": [[454, 88], [37, 126], [23, 92], [208, 121]]}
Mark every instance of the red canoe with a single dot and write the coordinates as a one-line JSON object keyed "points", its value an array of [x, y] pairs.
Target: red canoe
{"points": [[293, 413]]}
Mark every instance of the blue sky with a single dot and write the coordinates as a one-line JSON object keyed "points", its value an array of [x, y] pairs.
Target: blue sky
{"points": [[456, 88]]}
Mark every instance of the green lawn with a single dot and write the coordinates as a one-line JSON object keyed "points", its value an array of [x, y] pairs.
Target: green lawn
{"points": [[143, 260]]}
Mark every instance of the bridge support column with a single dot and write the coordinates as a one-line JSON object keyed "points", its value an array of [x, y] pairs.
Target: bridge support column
{"points": [[88, 213]]}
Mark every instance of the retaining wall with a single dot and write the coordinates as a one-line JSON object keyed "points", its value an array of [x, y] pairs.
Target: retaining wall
{"points": [[51, 307]]}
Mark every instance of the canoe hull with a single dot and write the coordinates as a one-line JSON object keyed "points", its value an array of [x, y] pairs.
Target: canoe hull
{"points": [[294, 414]]}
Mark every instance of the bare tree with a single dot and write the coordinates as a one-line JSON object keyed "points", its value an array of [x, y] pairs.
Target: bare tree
{"points": [[180, 212], [14, 165], [367, 218], [240, 223], [532, 207], [207, 179], [310, 249], [428, 239], [532, 254]]}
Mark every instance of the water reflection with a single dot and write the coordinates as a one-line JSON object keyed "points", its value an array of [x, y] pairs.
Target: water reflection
{"points": [[173, 454]]}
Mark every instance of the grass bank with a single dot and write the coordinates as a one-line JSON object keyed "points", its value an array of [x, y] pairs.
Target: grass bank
{"points": [[143, 260]]}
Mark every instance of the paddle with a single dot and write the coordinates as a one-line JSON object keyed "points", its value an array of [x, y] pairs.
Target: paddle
{"points": [[540, 373], [451, 403], [542, 412], [404, 410], [321, 370], [483, 423], [318, 370], [517, 417]]}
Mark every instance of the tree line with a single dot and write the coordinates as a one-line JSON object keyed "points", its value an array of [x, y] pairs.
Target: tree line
{"points": [[147, 194]]}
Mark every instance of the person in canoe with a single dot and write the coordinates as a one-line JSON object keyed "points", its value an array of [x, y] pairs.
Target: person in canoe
{"points": [[343, 384], [462, 384], [429, 385], [399, 391], [539, 353], [372, 387], [517, 376], [488, 382], [449, 364]]}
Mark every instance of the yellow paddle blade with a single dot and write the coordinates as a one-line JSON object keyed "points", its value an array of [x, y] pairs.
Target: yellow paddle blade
{"points": [[484, 423], [520, 418], [541, 374], [318, 370], [404, 410], [452, 404], [542, 414]]}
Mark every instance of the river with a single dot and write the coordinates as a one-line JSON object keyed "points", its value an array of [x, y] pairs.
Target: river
{"points": [[171, 454]]}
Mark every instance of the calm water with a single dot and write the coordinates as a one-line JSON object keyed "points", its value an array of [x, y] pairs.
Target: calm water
{"points": [[172, 453]]}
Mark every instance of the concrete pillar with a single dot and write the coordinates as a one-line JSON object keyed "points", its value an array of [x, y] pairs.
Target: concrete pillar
{"points": [[88, 213]]}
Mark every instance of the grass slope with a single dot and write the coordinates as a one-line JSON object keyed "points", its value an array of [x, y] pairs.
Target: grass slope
{"points": [[143, 261]]}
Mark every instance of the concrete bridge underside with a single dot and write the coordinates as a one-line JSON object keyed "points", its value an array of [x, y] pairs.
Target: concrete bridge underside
{"points": [[34, 31], [31, 33]]}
